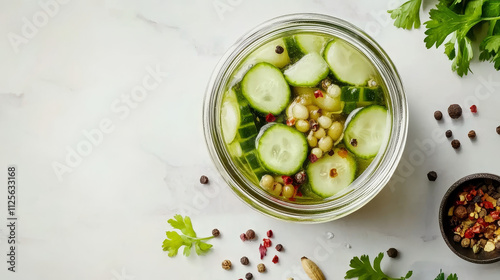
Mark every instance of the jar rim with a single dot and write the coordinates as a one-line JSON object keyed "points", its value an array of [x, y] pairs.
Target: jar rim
{"points": [[371, 181]]}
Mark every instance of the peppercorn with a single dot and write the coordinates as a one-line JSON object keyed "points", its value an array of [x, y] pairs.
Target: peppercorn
{"points": [[325, 83], [261, 268], [279, 247], [471, 208], [215, 232], [354, 142], [243, 237], [226, 264], [455, 144], [472, 134], [460, 212], [482, 213], [313, 125], [279, 49], [455, 111], [392, 253], [248, 276], [438, 115], [204, 179], [300, 177], [457, 238], [250, 234], [269, 233], [244, 261], [498, 129], [465, 242], [448, 133], [432, 176]]}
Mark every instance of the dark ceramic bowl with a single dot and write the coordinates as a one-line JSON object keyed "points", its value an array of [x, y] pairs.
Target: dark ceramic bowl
{"points": [[447, 230]]}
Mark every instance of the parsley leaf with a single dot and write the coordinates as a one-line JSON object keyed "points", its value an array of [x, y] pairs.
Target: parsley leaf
{"points": [[362, 269], [490, 50], [174, 240], [450, 277], [407, 16]]}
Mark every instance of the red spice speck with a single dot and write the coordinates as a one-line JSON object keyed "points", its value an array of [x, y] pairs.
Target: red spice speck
{"points": [[473, 109], [263, 251], [267, 242], [287, 180], [290, 122], [269, 233], [318, 93], [243, 237], [343, 153], [488, 205], [270, 118], [275, 259], [468, 233], [495, 215], [313, 158]]}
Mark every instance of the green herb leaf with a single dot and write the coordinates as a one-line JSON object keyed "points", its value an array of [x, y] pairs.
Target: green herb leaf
{"points": [[407, 16], [174, 240], [440, 276], [490, 50], [452, 277], [362, 269]]}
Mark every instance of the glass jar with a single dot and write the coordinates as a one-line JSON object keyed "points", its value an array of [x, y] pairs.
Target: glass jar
{"points": [[369, 183]]}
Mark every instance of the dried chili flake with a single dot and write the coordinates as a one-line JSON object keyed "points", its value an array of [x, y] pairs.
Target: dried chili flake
{"points": [[290, 122], [343, 153], [482, 222], [269, 233], [468, 233], [495, 215], [263, 251], [287, 180], [275, 259], [477, 228], [267, 242], [473, 109], [333, 173], [313, 158], [488, 205], [270, 118], [318, 93]]}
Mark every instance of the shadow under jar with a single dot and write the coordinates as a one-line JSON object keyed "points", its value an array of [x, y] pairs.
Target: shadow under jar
{"points": [[305, 206]]}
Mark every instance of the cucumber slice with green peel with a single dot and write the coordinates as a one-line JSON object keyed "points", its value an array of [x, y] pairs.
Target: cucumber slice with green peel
{"points": [[348, 65], [310, 43], [282, 149], [294, 51], [247, 130], [267, 53], [308, 71], [366, 131], [331, 174], [265, 89], [230, 116], [362, 94]]}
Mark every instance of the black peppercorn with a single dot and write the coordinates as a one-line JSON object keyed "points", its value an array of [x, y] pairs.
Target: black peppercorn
{"points": [[472, 134], [498, 129], [244, 261], [455, 144], [438, 115], [300, 177], [215, 232], [204, 179], [279, 49], [432, 176], [392, 253], [279, 247], [248, 276], [448, 133], [455, 111], [457, 238], [250, 234]]}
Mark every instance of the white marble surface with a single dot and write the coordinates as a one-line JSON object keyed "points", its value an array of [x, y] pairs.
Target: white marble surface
{"points": [[104, 216]]}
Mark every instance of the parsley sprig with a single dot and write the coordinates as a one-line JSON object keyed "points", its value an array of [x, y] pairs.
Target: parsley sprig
{"points": [[188, 239], [454, 21], [362, 269], [450, 277]]}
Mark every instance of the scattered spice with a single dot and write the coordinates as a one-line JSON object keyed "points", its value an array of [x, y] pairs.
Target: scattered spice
{"points": [[472, 134], [354, 142], [343, 153], [318, 93], [473, 109], [243, 237], [261, 268], [457, 238], [270, 118], [287, 180], [215, 232], [279, 247], [263, 251], [269, 233], [455, 111], [455, 144], [333, 173], [244, 261], [226, 264], [275, 259], [331, 152], [250, 234], [267, 242], [313, 125], [279, 49], [313, 158], [204, 179], [290, 122], [448, 133], [300, 177], [248, 276], [438, 115], [392, 253], [498, 129], [432, 176]]}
